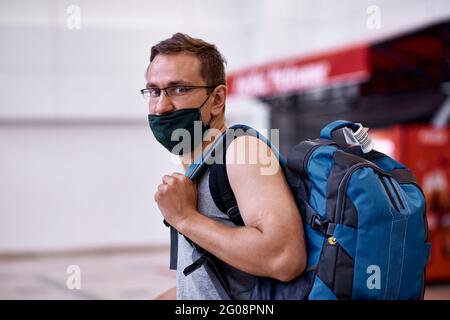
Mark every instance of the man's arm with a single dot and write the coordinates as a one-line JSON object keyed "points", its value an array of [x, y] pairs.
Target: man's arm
{"points": [[272, 242]]}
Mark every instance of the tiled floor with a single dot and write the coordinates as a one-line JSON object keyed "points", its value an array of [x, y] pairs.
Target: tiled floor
{"points": [[137, 275], [141, 274]]}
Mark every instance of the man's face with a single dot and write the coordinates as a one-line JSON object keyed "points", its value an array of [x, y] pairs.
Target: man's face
{"points": [[168, 70]]}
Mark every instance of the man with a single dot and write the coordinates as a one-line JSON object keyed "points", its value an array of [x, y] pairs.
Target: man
{"points": [[186, 82]]}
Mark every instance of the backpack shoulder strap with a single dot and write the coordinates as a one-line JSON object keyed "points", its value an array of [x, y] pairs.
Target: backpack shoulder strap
{"points": [[219, 185], [222, 193]]}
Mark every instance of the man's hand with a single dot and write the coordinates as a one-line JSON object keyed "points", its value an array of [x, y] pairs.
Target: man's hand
{"points": [[176, 198]]}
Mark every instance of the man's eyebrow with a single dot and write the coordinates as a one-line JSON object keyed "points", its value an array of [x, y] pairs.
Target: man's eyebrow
{"points": [[170, 84]]}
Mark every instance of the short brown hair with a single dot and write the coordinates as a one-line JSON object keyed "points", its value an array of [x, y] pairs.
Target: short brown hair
{"points": [[212, 63]]}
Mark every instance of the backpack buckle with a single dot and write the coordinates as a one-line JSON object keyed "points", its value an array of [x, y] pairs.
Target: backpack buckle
{"points": [[235, 215], [233, 212], [317, 223]]}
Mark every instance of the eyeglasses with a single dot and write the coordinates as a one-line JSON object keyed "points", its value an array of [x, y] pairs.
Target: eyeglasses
{"points": [[175, 91]]}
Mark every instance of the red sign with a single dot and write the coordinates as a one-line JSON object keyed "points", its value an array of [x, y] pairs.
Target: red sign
{"points": [[299, 74]]}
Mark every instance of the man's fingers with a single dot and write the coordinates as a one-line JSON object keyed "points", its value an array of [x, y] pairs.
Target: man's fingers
{"points": [[167, 179], [178, 175], [162, 188], [170, 182]]}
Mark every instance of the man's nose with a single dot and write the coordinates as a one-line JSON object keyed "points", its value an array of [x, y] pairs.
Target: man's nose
{"points": [[161, 105]]}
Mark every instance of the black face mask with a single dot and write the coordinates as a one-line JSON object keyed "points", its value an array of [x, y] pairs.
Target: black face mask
{"points": [[166, 127]]}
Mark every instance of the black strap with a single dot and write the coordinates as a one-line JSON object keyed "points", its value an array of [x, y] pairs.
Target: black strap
{"points": [[217, 278], [194, 266], [373, 154], [220, 188], [403, 176], [222, 193], [213, 269], [173, 248]]}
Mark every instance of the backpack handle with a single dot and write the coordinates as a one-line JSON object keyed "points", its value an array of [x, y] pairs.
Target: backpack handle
{"points": [[327, 131]]}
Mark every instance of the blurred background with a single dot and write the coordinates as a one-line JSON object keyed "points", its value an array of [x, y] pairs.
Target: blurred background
{"points": [[79, 165]]}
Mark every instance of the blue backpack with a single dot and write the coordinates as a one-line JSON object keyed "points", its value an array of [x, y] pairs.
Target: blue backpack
{"points": [[363, 214]]}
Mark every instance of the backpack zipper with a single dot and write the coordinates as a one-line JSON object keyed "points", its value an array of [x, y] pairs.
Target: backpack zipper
{"points": [[340, 205], [308, 155], [400, 201], [388, 192]]}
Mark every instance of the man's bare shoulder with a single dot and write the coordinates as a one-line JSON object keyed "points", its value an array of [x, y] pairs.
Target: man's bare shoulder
{"points": [[260, 188], [251, 157]]}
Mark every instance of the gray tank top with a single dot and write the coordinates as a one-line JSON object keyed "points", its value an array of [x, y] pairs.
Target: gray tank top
{"points": [[197, 285]]}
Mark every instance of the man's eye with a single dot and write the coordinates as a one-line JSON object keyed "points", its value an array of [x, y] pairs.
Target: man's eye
{"points": [[154, 92], [181, 90]]}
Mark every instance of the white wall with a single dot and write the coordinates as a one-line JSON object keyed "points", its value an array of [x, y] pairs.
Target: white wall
{"points": [[78, 164], [77, 185], [285, 28]]}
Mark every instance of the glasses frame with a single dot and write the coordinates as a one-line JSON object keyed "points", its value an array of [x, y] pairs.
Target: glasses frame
{"points": [[146, 90]]}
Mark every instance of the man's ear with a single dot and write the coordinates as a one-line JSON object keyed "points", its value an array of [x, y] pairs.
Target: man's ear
{"points": [[219, 96]]}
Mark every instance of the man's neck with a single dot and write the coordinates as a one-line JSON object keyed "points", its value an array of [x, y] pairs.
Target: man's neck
{"points": [[188, 158]]}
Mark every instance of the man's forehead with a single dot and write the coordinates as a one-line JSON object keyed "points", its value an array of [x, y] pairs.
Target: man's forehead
{"points": [[167, 68]]}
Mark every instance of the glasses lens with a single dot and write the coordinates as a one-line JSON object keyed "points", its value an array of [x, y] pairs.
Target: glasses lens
{"points": [[179, 91], [144, 93]]}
